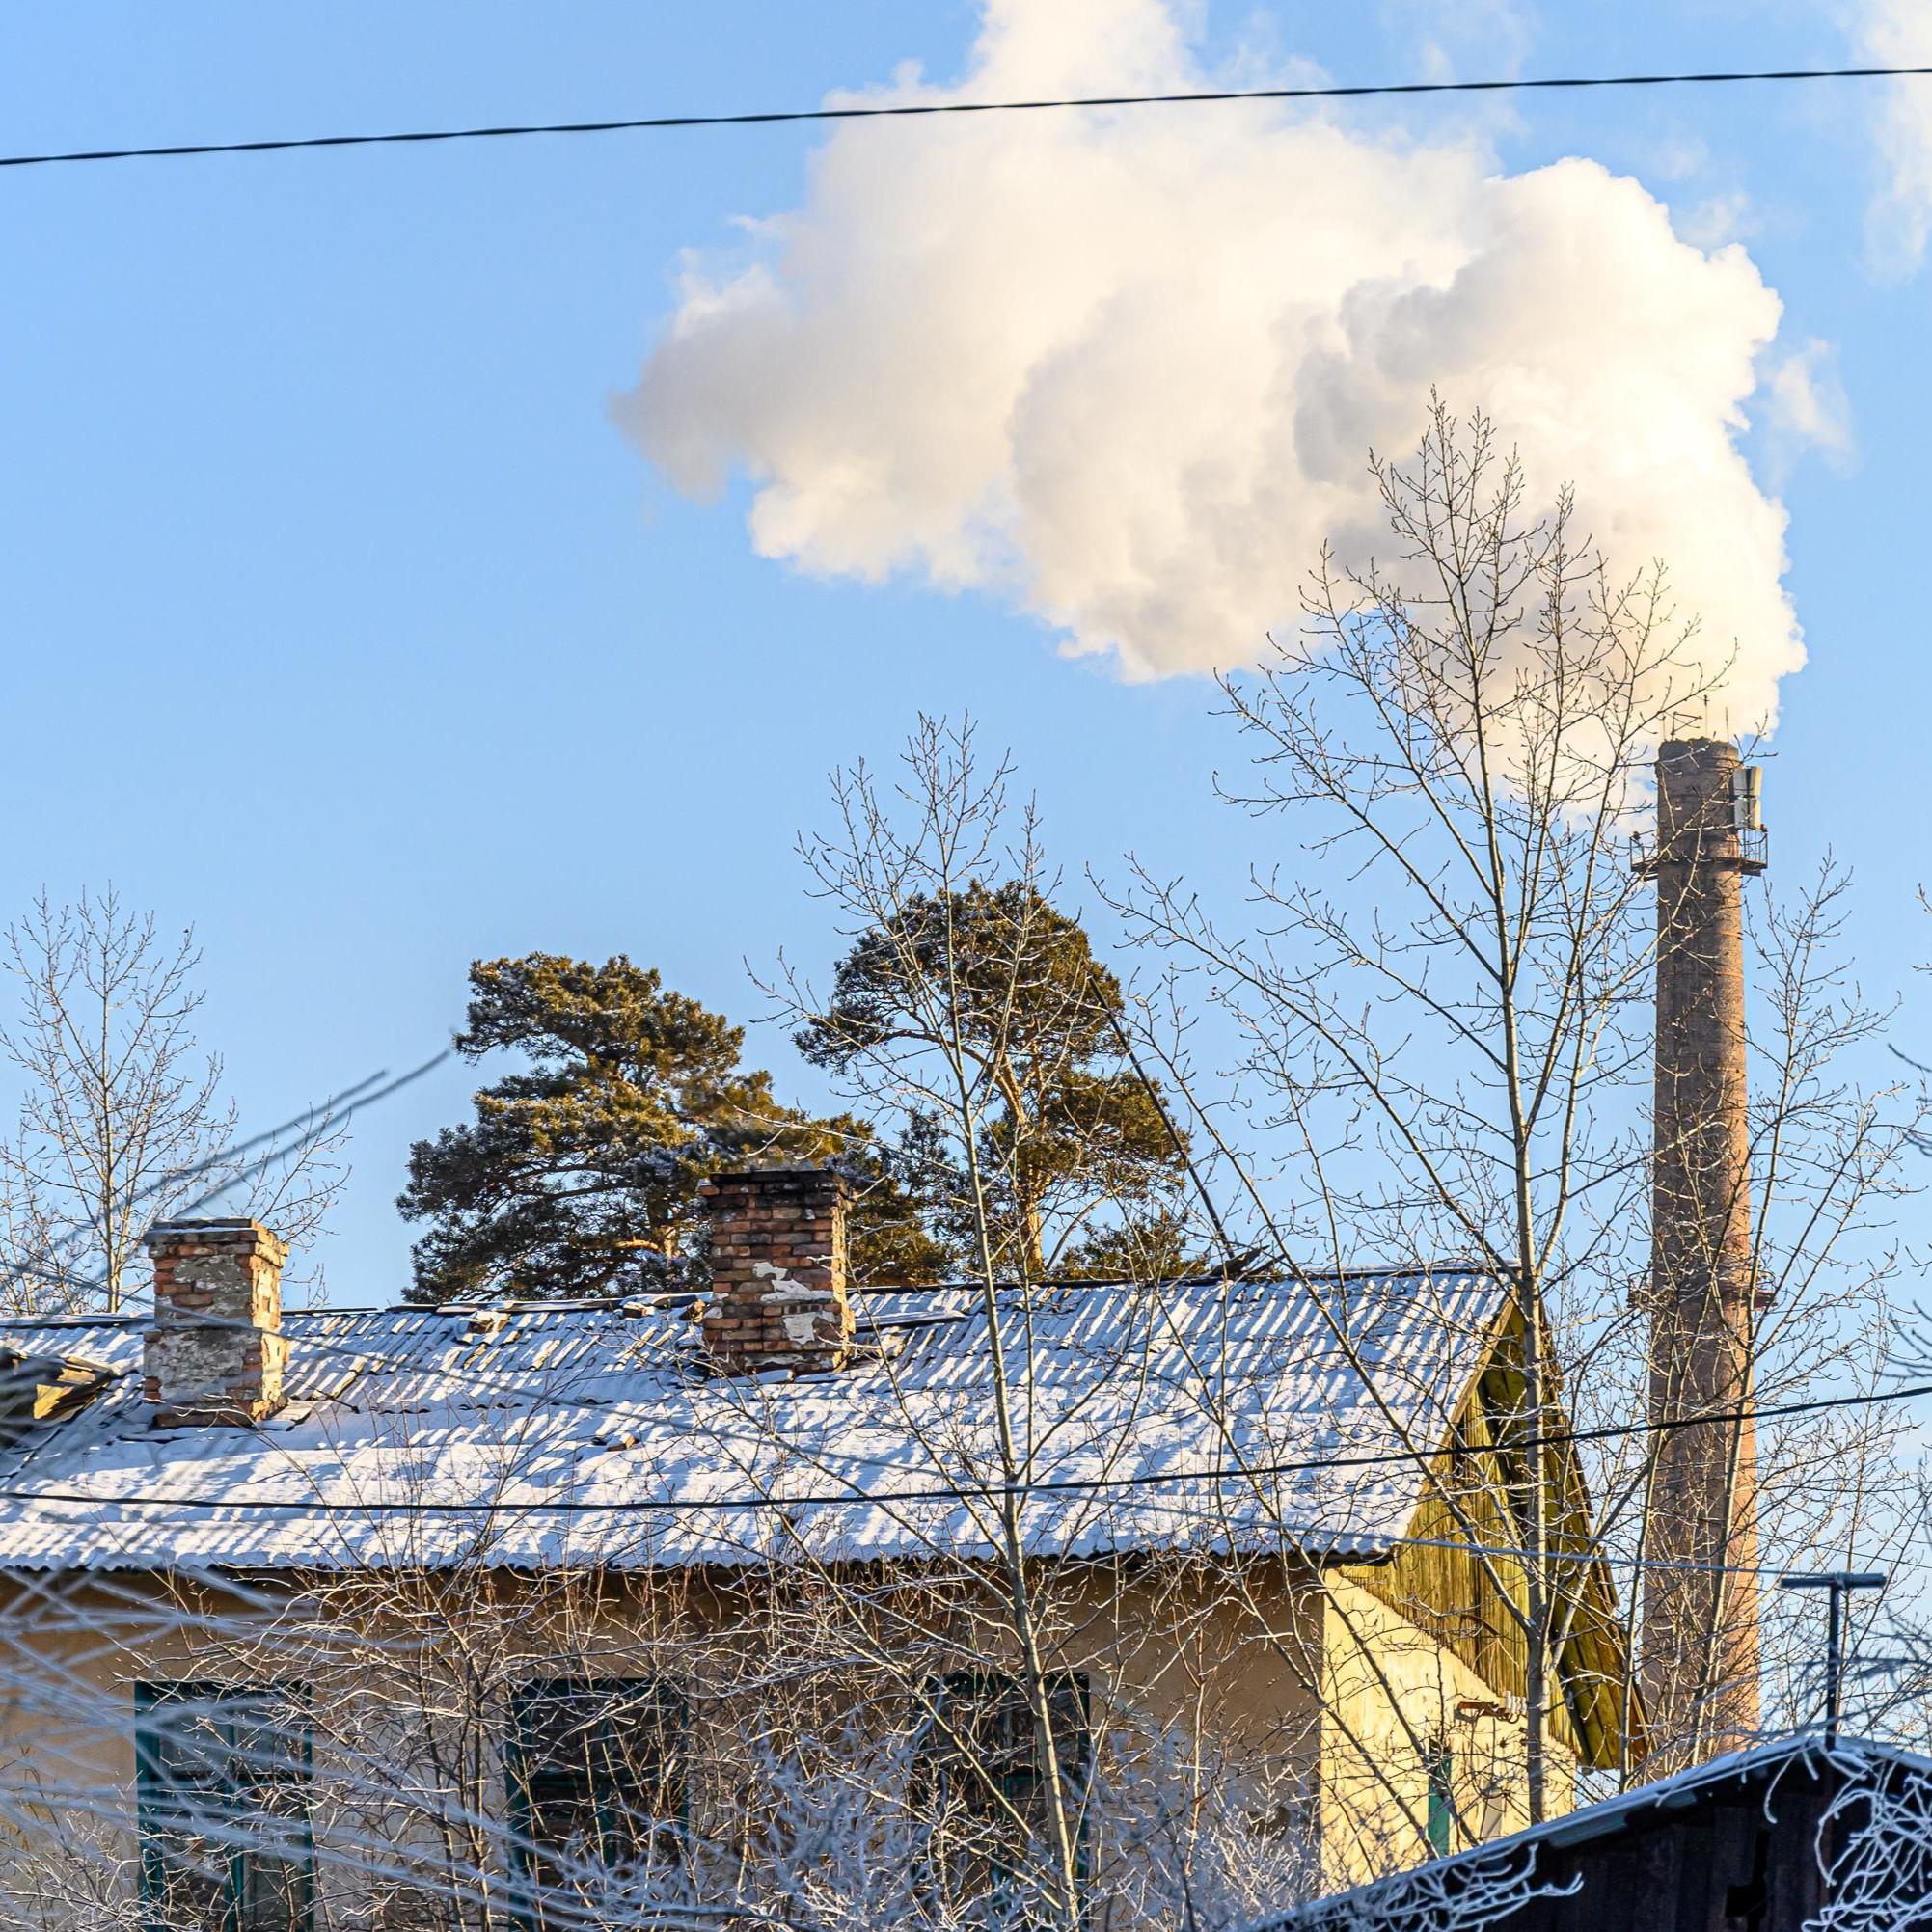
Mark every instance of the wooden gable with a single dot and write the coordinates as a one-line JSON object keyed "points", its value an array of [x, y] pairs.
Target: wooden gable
{"points": [[1455, 1564]]}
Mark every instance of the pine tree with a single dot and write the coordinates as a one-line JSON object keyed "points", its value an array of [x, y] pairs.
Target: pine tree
{"points": [[579, 1174], [1076, 1142]]}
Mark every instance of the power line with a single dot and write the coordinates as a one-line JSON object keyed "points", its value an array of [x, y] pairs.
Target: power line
{"points": [[959, 1492], [924, 110], [484, 1379], [1306, 1536], [478, 1378], [309, 1127]]}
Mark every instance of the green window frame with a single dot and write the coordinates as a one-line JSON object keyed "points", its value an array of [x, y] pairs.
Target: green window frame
{"points": [[222, 1774], [978, 1773], [599, 1762], [1439, 1818]]}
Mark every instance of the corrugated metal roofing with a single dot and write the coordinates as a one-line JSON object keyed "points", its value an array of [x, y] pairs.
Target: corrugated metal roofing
{"points": [[590, 1435]]}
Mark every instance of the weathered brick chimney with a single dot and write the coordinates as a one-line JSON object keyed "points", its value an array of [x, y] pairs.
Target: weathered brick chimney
{"points": [[778, 1296], [214, 1350], [1701, 1625]]}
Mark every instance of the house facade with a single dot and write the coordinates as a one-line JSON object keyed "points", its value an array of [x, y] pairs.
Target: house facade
{"points": [[921, 1606]]}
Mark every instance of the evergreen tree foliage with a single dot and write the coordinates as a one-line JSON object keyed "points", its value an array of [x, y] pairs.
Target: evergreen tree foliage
{"points": [[896, 1228], [579, 1172], [1076, 1161]]}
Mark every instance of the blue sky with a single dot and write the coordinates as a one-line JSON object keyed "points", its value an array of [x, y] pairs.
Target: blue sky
{"points": [[344, 623]]}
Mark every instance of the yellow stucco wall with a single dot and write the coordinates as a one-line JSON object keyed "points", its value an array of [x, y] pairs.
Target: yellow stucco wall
{"points": [[1231, 1683], [1393, 1699]]}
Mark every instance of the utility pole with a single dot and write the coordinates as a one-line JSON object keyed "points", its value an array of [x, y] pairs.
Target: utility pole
{"points": [[1841, 1583]]}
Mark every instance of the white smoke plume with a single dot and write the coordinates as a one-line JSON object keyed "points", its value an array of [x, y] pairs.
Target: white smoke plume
{"points": [[1125, 367], [1898, 34]]}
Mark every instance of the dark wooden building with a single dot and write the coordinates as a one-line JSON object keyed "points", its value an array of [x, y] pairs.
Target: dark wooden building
{"points": [[1761, 1841]]}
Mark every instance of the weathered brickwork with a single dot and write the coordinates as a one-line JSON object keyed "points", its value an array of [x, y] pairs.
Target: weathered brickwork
{"points": [[214, 1352], [778, 1297], [1700, 1667]]}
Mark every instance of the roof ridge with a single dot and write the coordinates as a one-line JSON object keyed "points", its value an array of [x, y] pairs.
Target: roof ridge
{"points": [[588, 1304], [1378, 1272]]}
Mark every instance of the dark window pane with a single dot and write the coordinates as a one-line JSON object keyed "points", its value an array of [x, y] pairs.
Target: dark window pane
{"points": [[597, 1783], [982, 1789], [273, 1893], [222, 1777]]}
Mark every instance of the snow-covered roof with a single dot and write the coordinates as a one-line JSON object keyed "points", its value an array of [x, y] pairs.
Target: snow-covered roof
{"points": [[1151, 1417]]}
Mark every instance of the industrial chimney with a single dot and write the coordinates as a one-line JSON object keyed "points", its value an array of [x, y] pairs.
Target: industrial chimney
{"points": [[1700, 1652]]}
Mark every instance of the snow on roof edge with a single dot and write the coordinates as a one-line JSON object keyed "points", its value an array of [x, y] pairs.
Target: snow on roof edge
{"points": [[1354, 1909]]}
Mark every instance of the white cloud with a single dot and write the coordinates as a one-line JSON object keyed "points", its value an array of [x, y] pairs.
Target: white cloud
{"points": [[1807, 405], [1125, 369], [1443, 38], [1718, 219], [1898, 33]]}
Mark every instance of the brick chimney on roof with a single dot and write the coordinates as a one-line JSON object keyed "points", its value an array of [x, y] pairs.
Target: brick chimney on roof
{"points": [[779, 1296], [214, 1350]]}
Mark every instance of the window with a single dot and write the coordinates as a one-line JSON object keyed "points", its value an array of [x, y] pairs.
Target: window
{"points": [[981, 1789], [1439, 1765], [222, 1790], [596, 1779]]}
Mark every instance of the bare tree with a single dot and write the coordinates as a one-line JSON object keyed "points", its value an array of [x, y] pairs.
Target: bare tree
{"points": [[449, 1739], [1442, 1008], [940, 1061], [121, 1121], [1018, 1697], [924, 838], [1048, 1704]]}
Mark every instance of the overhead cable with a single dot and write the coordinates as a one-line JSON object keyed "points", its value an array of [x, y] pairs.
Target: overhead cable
{"points": [[932, 109], [952, 1492]]}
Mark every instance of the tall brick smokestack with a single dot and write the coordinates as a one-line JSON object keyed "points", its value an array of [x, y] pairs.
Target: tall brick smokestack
{"points": [[1700, 1650]]}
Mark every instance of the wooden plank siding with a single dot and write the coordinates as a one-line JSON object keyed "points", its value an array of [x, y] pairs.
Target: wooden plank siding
{"points": [[1759, 1841], [1475, 1605]]}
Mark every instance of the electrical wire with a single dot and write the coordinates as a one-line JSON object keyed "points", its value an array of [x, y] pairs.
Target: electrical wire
{"points": [[1325, 1540], [476, 1376], [570, 1506], [932, 109], [307, 1128]]}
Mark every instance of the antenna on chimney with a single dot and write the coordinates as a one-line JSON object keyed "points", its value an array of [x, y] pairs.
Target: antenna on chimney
{"points": [[1747, 797], [1841, 1583]]}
